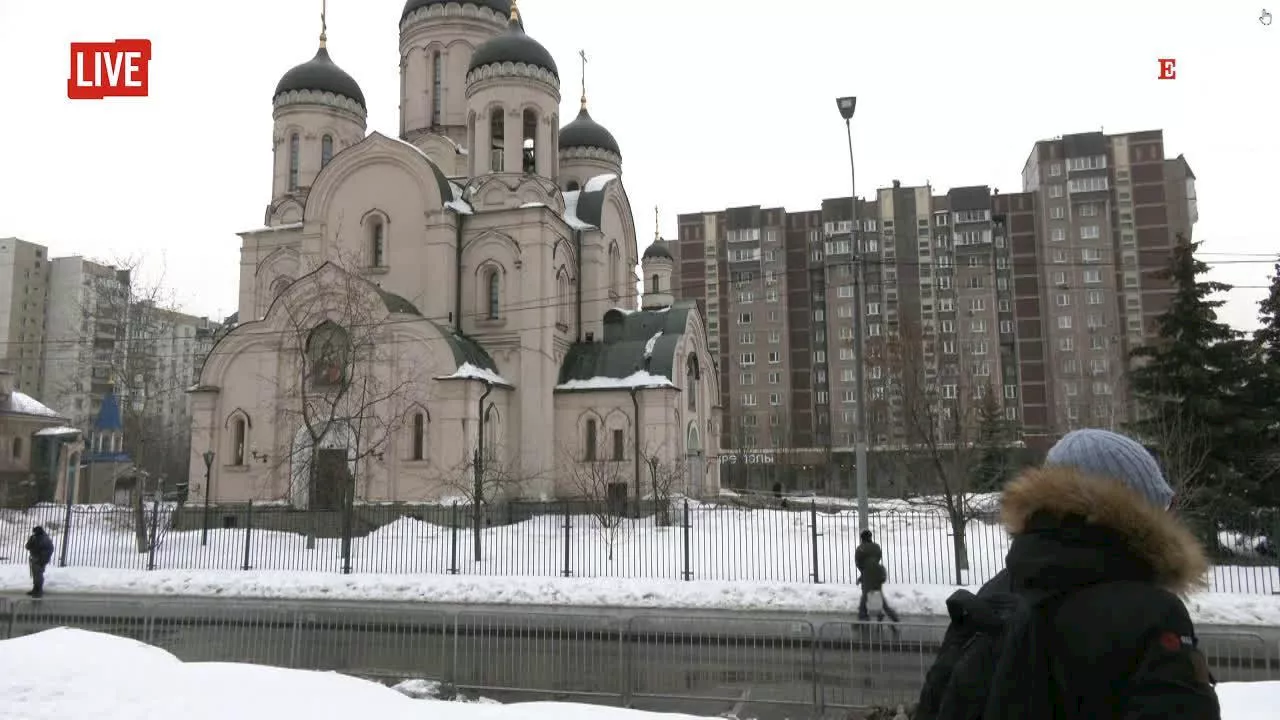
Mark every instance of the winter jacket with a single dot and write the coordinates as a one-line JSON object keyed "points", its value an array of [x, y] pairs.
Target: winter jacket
{"points": [[1120, 643], [867, 555], [874, 578], [40, 547]]}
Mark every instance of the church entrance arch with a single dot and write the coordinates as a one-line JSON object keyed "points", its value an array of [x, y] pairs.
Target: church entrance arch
{"points": [[321, 474]]}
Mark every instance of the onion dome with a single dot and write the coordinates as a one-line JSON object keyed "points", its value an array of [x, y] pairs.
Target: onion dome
{"points": [[584, 132], [320, 74], [514, 46], [658, 249]]}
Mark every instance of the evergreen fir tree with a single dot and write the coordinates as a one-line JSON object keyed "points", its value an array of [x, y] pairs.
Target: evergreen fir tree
{"points": [[1266, 392], [995, 436], [1195, 374]]}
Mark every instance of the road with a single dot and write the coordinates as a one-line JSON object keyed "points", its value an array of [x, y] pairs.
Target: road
{"points": [[696, 662]]}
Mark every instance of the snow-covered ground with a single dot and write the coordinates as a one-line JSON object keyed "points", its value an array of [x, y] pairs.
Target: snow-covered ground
{"points": [[1206, 608], [66, 673], [723, 542]]}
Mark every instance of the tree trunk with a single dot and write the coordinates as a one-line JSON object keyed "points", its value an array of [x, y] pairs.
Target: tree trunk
{"points": [[959, 544], [140, 519]]}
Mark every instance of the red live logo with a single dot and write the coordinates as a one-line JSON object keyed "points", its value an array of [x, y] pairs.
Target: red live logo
{"points": [[109, 69], [1168, 69]]}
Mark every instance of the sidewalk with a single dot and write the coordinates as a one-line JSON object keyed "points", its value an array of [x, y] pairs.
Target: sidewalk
{"points": [[1221, 609]]}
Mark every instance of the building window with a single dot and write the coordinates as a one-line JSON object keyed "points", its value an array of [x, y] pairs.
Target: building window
{"points": [[326, 150], [419, 436], [1089, 232], [530, 141], [1055, 191], [377, 244], [237, 441], [1056, 213], [437, 90], [692, 375], [497, 138], [589, 442], [17, 448], [619, 445], [656, 285], [493, 287], [293, 161]]}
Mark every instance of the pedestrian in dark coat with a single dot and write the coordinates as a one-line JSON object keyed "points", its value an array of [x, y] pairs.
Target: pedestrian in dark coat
{"points": [[40, 554], [1093, 526], [869, 559]]}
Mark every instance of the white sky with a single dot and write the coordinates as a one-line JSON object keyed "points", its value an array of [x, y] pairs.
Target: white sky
{"points": [[715, 104]]}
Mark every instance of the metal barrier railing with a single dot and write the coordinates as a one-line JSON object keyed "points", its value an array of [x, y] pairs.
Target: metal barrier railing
{"points": [[706, 665]]}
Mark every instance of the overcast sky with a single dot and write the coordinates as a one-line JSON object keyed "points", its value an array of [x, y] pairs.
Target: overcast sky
{"points": [[715, 104]]}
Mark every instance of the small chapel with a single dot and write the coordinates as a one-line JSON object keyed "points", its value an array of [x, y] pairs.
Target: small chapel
{"points": [[452, 311]]}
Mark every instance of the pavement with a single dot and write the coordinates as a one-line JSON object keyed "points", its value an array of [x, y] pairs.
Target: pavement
{"points": [[702, 662]]}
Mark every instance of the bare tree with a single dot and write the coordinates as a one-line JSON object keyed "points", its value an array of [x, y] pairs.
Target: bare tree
{"points": [[341, 391], [665, 477], [482, 482], [602, 485], [1182, 447], [945, 408]]}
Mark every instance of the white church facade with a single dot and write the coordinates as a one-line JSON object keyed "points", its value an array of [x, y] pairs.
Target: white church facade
{"points": [[462, 295]]}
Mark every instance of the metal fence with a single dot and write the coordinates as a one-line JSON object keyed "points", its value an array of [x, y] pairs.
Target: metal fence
{"points": [[706, 665], [798, 543]]}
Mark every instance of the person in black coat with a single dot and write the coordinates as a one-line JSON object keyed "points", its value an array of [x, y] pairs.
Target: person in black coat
{"points": [[40, 554], [1094, 527], [869, 559]]}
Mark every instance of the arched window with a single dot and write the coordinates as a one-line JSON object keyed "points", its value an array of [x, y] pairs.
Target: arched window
{"points": [[692, 375], [17, 448], [493, 288], [293, 161], [565, 297], [530, 141], [491, 427], [237, 441], [573, 186], [497, 138], [655, 284], [419, 436], [615, 267], [328, 353], [377, 243], [590, 442], [437, 90], [326, 150]]}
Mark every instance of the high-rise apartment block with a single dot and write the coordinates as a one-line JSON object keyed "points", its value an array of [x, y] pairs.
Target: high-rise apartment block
{"points": [[1026, 302], [24, 273]]}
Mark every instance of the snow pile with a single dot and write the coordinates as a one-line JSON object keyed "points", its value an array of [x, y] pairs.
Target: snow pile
{"points": [[467, 371], [64, 673], [639, 379]]}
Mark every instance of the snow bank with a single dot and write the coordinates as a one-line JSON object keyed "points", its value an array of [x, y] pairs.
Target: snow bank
{"points": [[66, 673], [1249, 701]]}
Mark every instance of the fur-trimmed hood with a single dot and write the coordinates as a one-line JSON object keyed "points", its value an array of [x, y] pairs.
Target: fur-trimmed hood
{"points": [[1156, 536]]}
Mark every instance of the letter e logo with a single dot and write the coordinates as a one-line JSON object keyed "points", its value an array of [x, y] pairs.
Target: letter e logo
{"points": [[1167, 69]]}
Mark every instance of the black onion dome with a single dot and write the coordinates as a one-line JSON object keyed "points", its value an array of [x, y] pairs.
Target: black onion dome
{"points": [[502, 7], [320, 74], [658, 249], [514, 46], [585, 132]]}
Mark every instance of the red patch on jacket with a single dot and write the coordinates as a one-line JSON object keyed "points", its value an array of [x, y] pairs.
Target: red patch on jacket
{"points": [[1170, 641]]}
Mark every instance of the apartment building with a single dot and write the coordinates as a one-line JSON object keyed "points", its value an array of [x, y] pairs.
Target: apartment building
{"points": [[1034, 298], [165, 355], [1110, 209], [24, 274], [85, 330]]}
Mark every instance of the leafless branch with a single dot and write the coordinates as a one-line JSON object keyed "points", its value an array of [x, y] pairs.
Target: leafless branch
{"points": [[602, 485]]}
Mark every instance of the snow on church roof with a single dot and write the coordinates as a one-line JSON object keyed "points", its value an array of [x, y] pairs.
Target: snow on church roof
{"points": [[571, 212], [21, 403], [467, 371], [638, 380], [597, 183]]}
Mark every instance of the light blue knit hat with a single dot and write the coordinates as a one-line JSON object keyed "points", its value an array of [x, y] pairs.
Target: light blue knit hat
{"points": [[1111, 455]]}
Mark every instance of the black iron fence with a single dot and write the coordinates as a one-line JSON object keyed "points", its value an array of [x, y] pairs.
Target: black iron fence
{"points": [[800, 542]]}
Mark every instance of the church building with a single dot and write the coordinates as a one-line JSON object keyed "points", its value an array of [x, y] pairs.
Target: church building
{"points": [[452, 312]]}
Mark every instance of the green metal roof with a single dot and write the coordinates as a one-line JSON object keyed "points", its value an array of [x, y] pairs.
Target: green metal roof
{"points": [[465, 350], [396, 304], [621, 352]]}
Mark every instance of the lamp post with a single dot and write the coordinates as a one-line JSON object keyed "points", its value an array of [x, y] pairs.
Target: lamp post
{"points": [[846, 106], [208, 471]]}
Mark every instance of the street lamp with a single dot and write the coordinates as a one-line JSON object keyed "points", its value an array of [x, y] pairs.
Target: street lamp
{"points": [[846, 106], [208, 470]]}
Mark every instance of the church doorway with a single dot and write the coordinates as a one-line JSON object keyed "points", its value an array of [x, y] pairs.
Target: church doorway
{"points": [[331, 480]]}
